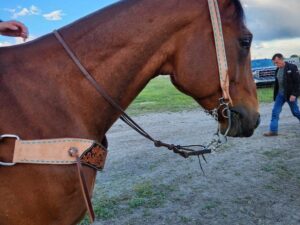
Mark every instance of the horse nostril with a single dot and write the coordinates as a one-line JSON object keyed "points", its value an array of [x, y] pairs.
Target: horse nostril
{"points": [[258, 121]]}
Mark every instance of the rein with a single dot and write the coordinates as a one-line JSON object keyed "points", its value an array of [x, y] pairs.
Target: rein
{"points": [[184, 151]]}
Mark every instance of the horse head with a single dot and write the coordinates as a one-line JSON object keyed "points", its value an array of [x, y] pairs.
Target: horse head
{"points": [[195, 67]]}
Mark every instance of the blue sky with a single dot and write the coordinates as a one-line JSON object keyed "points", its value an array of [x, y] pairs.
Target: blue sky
{"points": [[42, 17], [274, 24]]}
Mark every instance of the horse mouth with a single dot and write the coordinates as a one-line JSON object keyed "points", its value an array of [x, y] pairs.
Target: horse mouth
{"points": [[241, 124]]}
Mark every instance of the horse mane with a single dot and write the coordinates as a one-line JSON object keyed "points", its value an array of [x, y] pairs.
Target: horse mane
{"points": [[239, 13]]}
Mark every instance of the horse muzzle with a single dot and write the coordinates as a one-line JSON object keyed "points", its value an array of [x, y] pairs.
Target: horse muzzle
{"points": [[242, 122]]}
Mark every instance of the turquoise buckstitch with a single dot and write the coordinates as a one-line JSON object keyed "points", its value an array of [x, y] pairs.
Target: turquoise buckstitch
{"points": [[47, 161], [56, 141]]}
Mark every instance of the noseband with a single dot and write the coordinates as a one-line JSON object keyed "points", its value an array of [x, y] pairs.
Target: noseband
{"points": [[189, 150]]}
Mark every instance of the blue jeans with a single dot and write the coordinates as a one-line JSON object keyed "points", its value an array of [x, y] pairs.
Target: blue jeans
{"points": [[279, 102]]}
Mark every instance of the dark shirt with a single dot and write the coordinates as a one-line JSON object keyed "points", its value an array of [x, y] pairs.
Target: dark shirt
{"points": [[291, 81]]}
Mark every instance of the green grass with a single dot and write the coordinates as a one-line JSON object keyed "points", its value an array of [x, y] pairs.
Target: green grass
{"points": [[274, 153], [279, 169], [144, 195], [147, 195], [211, 205], [265, 94], [161, 96]]}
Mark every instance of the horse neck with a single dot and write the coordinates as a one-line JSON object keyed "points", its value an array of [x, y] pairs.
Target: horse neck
{"points": [[126, 45]]}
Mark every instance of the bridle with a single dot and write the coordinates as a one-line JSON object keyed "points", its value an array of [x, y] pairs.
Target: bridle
{"points": [[220, 48], [224, 102], [184, 151]]}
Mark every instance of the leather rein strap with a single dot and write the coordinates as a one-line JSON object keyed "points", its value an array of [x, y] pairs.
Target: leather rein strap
{"points": [[75, 153], [184, 151]]}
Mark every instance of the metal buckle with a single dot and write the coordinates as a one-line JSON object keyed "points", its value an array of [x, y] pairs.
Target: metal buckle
{"points": [[3, 136], [9, 136]]}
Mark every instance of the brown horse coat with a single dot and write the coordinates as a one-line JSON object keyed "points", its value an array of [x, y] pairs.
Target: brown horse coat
{"points": [[44, 95]]}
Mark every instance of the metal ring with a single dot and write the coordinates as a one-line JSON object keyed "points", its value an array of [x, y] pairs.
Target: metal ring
{"points": [[223, 113], [7, 164], [9, 136]]}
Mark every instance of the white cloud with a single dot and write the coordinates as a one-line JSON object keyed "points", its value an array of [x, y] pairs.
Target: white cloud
{"points": [[271, 19], [23, 12], [17, 41], [34, 10], [5, 43], [274, 26], [19, 11], [266, 49], [55, 15]]}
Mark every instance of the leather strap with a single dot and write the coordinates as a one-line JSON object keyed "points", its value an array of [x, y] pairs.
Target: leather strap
{"points": [[74, 153], [220, 48], [49, 151], [184, 151], [55, 151]]}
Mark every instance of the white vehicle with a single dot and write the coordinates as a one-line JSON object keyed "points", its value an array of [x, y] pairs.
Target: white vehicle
{"points": [[264, 70]]}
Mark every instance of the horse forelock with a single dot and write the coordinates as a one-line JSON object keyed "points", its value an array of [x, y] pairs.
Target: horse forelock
{"points": [[240, 14], [232, 13]]}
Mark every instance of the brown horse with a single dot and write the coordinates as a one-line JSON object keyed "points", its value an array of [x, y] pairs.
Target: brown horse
{"points": [[44, 95]]}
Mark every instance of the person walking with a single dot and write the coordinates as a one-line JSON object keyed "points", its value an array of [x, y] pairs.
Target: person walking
{"points": [[286, 89]]}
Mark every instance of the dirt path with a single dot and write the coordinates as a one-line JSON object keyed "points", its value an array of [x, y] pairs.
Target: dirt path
{"points": [[251, 181]]}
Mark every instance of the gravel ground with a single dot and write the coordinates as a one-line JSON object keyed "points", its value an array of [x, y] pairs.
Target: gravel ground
{"points": [[249, 181]]}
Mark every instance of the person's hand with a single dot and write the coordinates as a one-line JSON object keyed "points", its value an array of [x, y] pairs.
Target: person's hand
{"points": [[292, 98], [14, 29]]}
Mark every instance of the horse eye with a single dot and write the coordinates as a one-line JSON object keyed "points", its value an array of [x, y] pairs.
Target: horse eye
{"points": [[245, 42]]}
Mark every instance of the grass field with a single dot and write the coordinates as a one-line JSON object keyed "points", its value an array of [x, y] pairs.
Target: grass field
{"points": [[160, 96]]}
